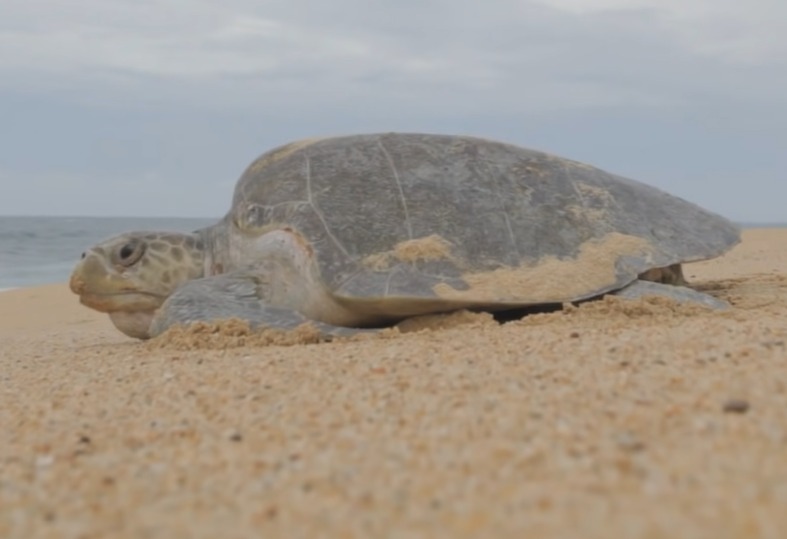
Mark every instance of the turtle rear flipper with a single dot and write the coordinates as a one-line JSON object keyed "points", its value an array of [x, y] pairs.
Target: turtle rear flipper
{"points": [[640, 289]]}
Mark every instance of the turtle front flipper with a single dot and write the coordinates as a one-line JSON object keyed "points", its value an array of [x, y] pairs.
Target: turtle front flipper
{"points": [[234, 296], [640, 289]]}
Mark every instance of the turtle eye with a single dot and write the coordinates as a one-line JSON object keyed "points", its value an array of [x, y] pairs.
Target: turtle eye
{"points": [[130, 252]]}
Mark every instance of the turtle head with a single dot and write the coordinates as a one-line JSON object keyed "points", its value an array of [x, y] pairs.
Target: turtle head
{"points": [[130, 275]]}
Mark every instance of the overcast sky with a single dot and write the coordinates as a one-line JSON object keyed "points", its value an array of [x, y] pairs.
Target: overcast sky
{"points": [[155, 107]]}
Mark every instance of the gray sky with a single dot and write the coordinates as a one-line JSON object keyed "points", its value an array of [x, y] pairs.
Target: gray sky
{"points": [[155, 107]]}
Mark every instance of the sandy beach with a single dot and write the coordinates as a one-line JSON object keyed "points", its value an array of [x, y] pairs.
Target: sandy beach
{"points": [[615, 419]]}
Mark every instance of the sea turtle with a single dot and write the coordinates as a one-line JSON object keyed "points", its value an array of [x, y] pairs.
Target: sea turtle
{"points": [[365, 230]]}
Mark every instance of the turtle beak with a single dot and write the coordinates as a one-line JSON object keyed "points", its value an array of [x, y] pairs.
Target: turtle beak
{"points": [[102, 287], [88, 275]]}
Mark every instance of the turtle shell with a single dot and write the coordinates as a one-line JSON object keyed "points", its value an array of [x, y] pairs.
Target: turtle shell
{"points": [[409, 217]]}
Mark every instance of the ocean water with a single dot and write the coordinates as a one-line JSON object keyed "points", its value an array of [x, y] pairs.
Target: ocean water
{"points": [[42, 250]]}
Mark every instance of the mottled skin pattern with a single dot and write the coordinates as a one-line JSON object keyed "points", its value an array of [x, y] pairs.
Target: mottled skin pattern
{"points": [[307, 216], [131, 275]]}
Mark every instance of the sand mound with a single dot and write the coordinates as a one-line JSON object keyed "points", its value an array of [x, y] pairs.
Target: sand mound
{"points": [[231, 333]]}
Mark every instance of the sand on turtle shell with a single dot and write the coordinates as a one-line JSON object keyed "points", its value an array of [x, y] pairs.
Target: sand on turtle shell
{"points": [[552, 279], [432, 247]]}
